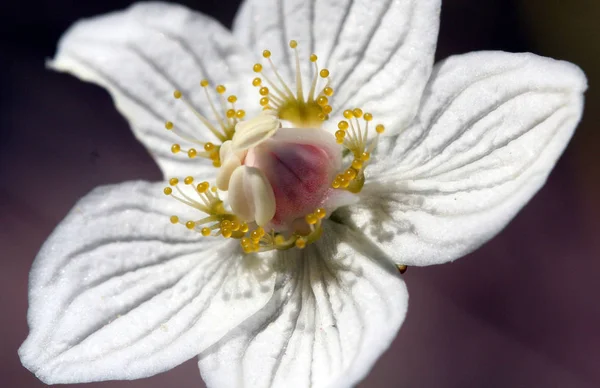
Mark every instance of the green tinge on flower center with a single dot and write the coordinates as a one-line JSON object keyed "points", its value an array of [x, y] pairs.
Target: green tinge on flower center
{"points": [[276, 178]]}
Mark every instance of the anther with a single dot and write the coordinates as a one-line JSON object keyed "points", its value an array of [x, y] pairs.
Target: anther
{"points": [[379, 128], [293, 44], [177, 94], [174, 219], [256, 81], [324, 73], [175, 148], [204, 83], [205, 232], [168, 191], [300, 243], [188, 180], [266, 54], [313, 57], [257, 68], [173, 181], [220, 89], [192, 153], [232, 99], [169, 125], [357, 113], [190, 224], [328, 91]]}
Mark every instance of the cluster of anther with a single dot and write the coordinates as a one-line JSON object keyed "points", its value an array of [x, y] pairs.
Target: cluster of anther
{"points": [[226, 118], [218, 221], [301, 111], [355, 138], [260, 241]]}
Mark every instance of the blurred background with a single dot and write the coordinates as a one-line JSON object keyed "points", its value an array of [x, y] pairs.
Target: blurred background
{"points": [[523, 311]]}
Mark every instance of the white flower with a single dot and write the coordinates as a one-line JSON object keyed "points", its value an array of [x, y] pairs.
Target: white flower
{"points": [[117, 292]]}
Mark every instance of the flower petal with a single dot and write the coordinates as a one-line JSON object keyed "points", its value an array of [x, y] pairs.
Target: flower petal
{"points": [[491, 128], [336, 307], [380, 53], [141, 55], [118, 293]]}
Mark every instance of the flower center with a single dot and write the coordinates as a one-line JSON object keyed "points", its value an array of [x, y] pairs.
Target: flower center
{"points": [[282, 172]]}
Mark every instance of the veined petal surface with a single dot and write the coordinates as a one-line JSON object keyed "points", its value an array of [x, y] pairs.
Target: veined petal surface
{"points": [[490, 129], [380, 53], [141, 55], [336, 307], [117, 292]]}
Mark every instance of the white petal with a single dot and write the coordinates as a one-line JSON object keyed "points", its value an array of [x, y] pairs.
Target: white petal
{"points": [[380, 53], [491, 128], [141, 55], [117, 292], [251, 196], [336, 307]]}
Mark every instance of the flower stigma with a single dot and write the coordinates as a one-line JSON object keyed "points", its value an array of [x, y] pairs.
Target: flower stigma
{"points": [[280, 173]]}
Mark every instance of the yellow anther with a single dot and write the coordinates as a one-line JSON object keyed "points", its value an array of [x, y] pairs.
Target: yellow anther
{"points": [[321, 213], [328, 91], [300, 243], [190, 224], [365, 156], [256, 81], [340, 134], [244, 228], [356, 164], [324, 73], [313, 57], [225, 224], [168, 191], [188, 180], [322, 100], [327, 109], [202, 187], [348, 114], [336, 183], [235, 225], [357, 113], [177, 94], [173, 181], [220, 89], [293, 44], [175, 148], [343, 125], [204, 83], [174, 219], [226, 232], [209, 147], [321, 116], [230, 113], [368, 117], [266, 53], [339, 140], [350, 174], [279, 239], [311, 219], [264, 101], [169, 125], [232, 99], [379, 128], [205, 232], [257, 68], [264, 91], [246, 242], [240, 114], [192, 153]]}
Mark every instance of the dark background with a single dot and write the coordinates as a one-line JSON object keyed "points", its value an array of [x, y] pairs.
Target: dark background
{"points": [[522, 311]]}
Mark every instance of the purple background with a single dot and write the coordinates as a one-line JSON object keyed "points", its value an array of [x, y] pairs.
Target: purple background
{"points": [[522, 311]]}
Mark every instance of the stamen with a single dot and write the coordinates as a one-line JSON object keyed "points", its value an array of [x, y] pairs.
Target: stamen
{"points": [[355, 139], [301, 111]]}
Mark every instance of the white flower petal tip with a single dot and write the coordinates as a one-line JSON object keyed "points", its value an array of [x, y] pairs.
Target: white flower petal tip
{"points": [[113, 51], [118, 293], [255, 131], [380, 52], [251, 195], [491, 127], [335, 309]]}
